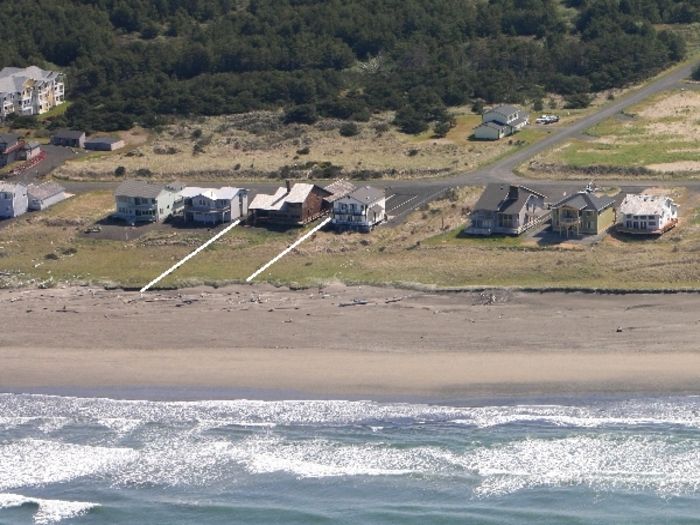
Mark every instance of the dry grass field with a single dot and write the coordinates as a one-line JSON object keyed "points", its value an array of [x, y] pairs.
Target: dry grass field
{"points": [[656, 139], [51, 247]]}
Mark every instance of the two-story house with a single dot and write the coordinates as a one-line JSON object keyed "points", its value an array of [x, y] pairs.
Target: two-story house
{"points": [[583, 213], [13, 200], [499, 122], [292, 205], [360, 210], [139, 201], [647, 214], [30, 90], [506, 209], [214, 205]]}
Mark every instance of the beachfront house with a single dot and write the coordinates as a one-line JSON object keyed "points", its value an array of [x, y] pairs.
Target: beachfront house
{"points": [[214, 205], [292, 205], [583, 213], [139, 201], [30, 90], [500, 122], [41, 196], [10, 149], [506, 209], [642, 214], [69, 138], [13, 200], [360, 210]]}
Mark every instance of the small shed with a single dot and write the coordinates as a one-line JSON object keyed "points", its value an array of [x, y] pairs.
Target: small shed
{"points": [[30, 150], [41, 196], [104, 143], [69, 137]]}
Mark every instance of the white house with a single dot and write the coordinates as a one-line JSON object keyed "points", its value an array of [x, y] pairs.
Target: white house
{"points": [[30, 91], [647, 214], [214, 205], [41, 196], [13, 200], [140, 201], [499, 122], [360, 210]]}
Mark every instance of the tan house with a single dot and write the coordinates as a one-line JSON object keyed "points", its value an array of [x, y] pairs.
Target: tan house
{"points": [[583, 213], [293, 205]]}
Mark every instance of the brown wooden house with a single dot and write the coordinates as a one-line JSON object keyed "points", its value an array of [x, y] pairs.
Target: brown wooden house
{"points": [[291, 205]]}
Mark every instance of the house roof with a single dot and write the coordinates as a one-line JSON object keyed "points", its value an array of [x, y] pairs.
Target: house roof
{"points": [[32, 145], [224, 193], [12, 79], [139, 188], [641, 204], [8, 138], [585, 200], [69, 134], [491, 124], [339, 189], [505, 198], [297, 195], [504, 109], [9, 187], [367, 194], [44, 190]]}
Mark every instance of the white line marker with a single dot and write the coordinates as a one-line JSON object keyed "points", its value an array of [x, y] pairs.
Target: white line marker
{"points": [[390, 197], [183, 261], [404, 203], [286, 251]]}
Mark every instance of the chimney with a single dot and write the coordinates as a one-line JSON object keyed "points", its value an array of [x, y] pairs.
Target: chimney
{"points": [[512, 192], [289, 185]]}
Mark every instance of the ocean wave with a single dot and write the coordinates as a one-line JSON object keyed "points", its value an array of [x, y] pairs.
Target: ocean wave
{"points": [[123, 417], [48, 511]]}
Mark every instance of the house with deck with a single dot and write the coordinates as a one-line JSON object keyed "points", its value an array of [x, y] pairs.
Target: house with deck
{"points": [[10, 149], [13, 200], [214, 205], [641, 214], [30, 90], [41, 196], [292, 205], [140, 201], [500, 122], [506, 209], [583, 213], [360, 210]]}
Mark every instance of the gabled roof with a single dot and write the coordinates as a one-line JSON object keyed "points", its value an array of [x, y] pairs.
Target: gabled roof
{"points": [[224, 193], [9, 187], [492, 124], [139, 188], [8, 138], [640, 204], [339, 189], [585, 200], [44, 190], [367, 195], [505, 198], [12, 79], [297, 195], [504, 109], [69, 134]]}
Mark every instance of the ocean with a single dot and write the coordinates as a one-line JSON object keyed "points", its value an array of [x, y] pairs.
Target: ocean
{"points": [[72, 460]]}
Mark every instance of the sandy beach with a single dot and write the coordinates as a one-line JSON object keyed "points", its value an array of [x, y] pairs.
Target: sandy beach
{"points": [[349, 342]]}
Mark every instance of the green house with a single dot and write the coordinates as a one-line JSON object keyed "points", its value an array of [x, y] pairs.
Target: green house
{"points": [[583, 213]]}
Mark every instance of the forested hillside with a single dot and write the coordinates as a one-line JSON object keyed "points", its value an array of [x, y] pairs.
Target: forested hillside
{"points": [[139, 60]]}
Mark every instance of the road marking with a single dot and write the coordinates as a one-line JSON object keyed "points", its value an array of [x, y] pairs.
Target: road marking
{"points": [[404, 202], [183, 261], [390, 197], [287, 250]]}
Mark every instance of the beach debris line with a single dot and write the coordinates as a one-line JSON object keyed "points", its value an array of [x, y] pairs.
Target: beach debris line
{"points": [[188, 257], [288, 249]]}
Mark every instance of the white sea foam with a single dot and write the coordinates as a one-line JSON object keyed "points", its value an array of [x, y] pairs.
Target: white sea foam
{"points": [[32, 462], [49, 511]]}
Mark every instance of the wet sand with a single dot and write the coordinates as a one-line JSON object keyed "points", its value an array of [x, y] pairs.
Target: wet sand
{"points": [[354, 342]]}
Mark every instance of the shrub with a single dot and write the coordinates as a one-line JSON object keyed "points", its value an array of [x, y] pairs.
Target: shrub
{"points": [[443, 127], [303, 151], [302, 114], [409, 121], [120, 171], [696, 73], [538, 105], [578, 101], [349, 129]]}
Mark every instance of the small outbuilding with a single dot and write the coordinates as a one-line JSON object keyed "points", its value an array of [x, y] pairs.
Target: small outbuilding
{"points": [[10, 149], [104, 143], [13, 200], [30, 150], [69, 137], [41, 196]]}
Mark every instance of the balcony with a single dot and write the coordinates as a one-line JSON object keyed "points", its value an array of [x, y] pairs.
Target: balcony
{"points": [[569, 220]]}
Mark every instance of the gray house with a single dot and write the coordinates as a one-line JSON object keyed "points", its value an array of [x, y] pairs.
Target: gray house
{"points": [[506, 209], [214, 205], [104, 143], [68, 137], [500, 121], [41, 196], [13, 200], [139, 201], [10, 149]]}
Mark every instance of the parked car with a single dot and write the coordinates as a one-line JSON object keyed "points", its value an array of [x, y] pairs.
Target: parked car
{"points": [[547, 119]]}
